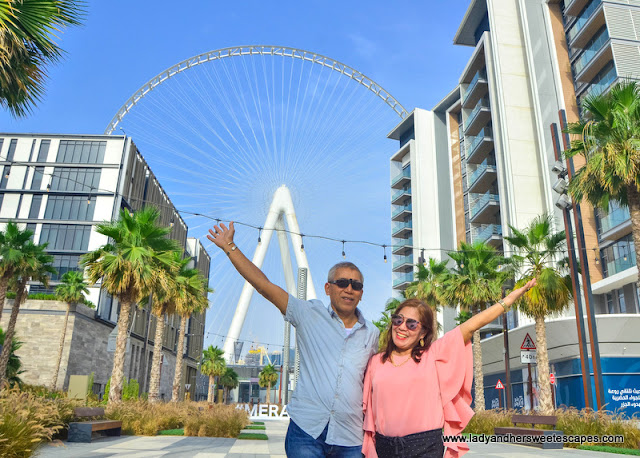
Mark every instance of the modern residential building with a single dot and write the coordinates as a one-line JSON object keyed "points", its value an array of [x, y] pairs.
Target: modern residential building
{"points": [[531, 64], [61, 186]]}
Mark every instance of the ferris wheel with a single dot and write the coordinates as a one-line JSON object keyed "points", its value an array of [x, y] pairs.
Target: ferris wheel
{"points": [[223, 130]]}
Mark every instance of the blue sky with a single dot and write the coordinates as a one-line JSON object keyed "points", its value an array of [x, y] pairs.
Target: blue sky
{"points": [[406, 47]]}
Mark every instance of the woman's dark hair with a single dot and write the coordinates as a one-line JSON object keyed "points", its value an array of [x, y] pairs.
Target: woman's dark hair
{"points": [[426, 321]]}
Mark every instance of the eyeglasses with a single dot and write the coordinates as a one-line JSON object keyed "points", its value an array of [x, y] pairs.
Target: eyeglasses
{"points": [[345, 282], [397, 320]]}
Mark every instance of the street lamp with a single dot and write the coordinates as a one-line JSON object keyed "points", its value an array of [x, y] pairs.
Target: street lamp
{"points": [[566, 204]]}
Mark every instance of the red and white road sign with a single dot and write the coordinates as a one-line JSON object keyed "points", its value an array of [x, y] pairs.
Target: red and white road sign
{"points": [[528, 343], [499, 385], [552, 378]]}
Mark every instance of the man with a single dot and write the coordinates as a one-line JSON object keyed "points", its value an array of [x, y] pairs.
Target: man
{"points": [[335, 345]]}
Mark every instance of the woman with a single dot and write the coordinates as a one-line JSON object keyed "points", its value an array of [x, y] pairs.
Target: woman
{"points": [[415, 390]]}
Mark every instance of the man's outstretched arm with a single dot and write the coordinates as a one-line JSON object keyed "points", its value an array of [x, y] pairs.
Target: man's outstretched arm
{"points": [[222, 237]]}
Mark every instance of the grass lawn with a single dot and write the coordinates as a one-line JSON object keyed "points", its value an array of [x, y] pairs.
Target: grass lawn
{"points": [[253, 436], [255, 427], [257, 422], [171, 432], [609, 449]]}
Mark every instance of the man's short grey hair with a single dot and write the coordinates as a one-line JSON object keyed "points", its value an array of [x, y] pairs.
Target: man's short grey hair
{"points": [[341, 265]]}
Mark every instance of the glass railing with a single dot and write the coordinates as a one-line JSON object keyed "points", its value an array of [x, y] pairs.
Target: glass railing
{"points": [[473, 142], [620, 264], [400, 210], [399, 243], [584, 17], [480, 169], [482, 103], [602, 85], [403, 260], [403, 278], [485, 232], [479, 201], [614, 218], [398, 226], [401, 192], [406, 173], [590, 52], [479, 74]]}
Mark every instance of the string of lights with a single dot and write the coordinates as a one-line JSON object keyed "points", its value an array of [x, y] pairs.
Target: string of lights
{"points": [[95, 190]]}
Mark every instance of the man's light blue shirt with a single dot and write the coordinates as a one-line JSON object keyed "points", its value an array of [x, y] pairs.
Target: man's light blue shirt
{"points": [[332, 366]]}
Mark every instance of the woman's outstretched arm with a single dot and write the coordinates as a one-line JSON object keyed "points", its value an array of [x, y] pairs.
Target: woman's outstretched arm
{"points": [[491, 313]]}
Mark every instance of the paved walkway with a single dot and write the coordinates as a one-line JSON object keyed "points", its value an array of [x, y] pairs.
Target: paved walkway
{"points": [[211, 447]]}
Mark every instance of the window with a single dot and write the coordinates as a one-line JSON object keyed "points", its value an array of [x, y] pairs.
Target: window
{"points": [[37, 178], [1, 199], [609, 300], [621, 302], [32, 227], [12, 150], [43, 152], [65, 237], [64, 263], [5, 176], [36, 203], [75, 179], [81, 152], [75, 208]]}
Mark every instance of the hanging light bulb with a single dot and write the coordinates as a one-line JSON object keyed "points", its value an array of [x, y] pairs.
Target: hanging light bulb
{"points": [[259, 234], [384, 248], [49, 186], [171, 223], [302, 242], [344, 256]]}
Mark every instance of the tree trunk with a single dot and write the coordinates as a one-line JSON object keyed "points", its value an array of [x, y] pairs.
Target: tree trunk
{"points": [[4, 285], [154, 383], [225, 392], [211, 388], [10, 331], [54, 383], [545, 402], [117, 373], [268, 393], [633, 197], [177, 378], [478, 375]]}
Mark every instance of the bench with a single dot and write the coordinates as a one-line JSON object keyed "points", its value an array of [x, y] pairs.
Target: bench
{"points": [[81, 431], [533, 420]]}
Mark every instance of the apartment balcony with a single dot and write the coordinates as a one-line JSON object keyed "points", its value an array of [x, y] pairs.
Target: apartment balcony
{"points": [[401, 179], [403, 264], [615, 224], [478, 118], [621, 264], [593, 58], [488, 233], [402, 246], [400, 213], [586, 25], [399, 196], [479, 147], [483, 207], [601, 86], [401, 229], [401, 281], [573, 7], [477, 88], [481, 179]]}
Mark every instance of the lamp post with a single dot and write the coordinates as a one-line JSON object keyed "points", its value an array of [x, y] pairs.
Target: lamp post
{"points": [[565, 203]]}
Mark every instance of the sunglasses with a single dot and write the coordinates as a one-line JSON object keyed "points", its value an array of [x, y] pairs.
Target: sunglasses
{"points": [[344, 283], [397, 320]]}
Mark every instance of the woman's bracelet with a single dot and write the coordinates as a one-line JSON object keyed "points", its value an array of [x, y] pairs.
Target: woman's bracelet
{"points": [[233, 248], [505, 307]]}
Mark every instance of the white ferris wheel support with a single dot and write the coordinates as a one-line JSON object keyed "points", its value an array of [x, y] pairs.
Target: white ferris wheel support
{"points": [[281, 210]]}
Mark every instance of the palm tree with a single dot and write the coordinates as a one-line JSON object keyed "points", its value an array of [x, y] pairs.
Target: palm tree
{"points": [[13, 242], [27, 47], [191, 297], [229, 381], [73, 289], [35, 266], [608, 137], [213, 365], [127, 268], [428, 287], [474, 282], [14, 367], [552, 293], [267, 377], [383, 323]]}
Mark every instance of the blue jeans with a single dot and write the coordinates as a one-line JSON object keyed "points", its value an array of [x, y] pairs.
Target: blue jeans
{"points": [[299, 444]]}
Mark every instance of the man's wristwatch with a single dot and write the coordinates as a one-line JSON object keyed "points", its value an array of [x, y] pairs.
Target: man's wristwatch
{"points": [[504, 306]]}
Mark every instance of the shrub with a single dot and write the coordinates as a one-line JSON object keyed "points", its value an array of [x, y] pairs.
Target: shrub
{"points": [[130, 390], [26, 421]]}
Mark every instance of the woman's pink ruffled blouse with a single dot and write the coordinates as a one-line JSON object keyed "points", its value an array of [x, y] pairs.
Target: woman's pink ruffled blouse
{"points": [[415, 397]]}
